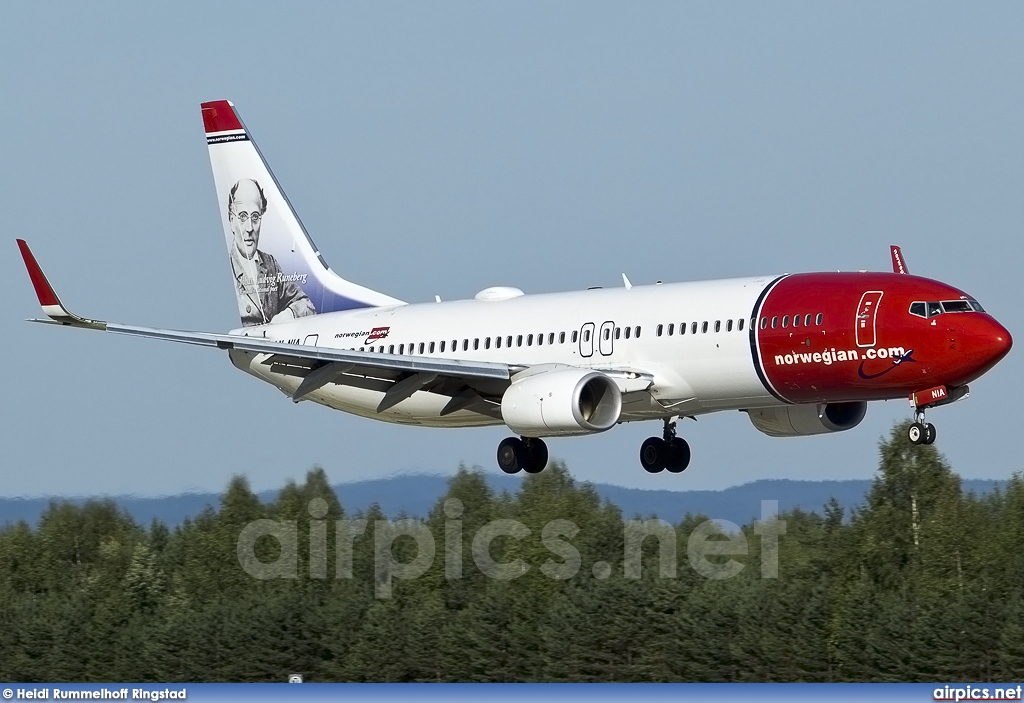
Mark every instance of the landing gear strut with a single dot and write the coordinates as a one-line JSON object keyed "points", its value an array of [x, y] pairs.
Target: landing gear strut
{"points": [[528, 454], [665, 452], [921, 432]]}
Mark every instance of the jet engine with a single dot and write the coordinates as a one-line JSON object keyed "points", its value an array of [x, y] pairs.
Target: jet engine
{"points": [[561, 401], [799, 420]]}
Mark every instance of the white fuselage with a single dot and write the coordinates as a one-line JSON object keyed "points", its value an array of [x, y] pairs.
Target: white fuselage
{"points": [[612, 330]]}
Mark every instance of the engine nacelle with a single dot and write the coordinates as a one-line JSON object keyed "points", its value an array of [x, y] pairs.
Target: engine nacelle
{"points": [[561, 401], [799, 420]]}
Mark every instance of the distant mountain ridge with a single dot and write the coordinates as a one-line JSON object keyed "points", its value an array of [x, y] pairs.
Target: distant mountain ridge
{"points": [[414, 495]]}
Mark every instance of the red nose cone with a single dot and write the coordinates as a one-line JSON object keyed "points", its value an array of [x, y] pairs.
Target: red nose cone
{"points": [[1003, 340], [992, 342]]}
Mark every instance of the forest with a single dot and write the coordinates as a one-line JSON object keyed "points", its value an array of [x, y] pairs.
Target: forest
{"points": [[923, 582]]}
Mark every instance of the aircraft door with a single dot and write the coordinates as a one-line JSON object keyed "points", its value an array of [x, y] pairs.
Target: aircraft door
{"points": [[606, 339], [866, 312], [587, 340]]}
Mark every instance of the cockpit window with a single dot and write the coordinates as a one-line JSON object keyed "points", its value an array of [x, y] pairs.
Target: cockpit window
{"points": [[932, 308], [956, 306]]}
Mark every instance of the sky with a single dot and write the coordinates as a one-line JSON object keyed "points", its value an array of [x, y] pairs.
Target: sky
{"points": [[441, 148]]}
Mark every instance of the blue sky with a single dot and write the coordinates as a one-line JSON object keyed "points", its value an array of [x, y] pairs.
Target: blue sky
{"points": [[440, 148]]}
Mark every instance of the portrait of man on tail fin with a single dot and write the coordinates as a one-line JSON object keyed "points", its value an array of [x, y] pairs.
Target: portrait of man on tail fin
{"points": [[264, 293]]}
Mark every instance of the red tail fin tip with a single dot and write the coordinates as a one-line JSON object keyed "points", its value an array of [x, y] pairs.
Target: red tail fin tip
{"points": [[219, 116]]}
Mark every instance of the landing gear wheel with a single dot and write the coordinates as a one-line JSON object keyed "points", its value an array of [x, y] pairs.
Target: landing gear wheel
{"points": [[653, 453], [929, 433], [528, 454], [917, 433], [511, 455], [678, 455], [536, 455]]}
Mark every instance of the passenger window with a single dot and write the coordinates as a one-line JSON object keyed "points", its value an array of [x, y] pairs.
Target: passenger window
{"points": [[618, 332], [764, 322], [704, 327], [391, 349], [718, 325], [574, 336], [693, 328], [487, 343], [796, 320], [497, 342], [739, 324], [431, 347], [529, 340], [551, 337], [775, 321], [586, 336], [508, 341], [807, 320], [540, 339], [627, 333], [785, 321], [817, 320], [519, 341], [636, 332], [607, 333], [671, 329], [561, 337], [465, 345], [728, 325], [658, 330], [421, 347], [401, 348], [476, 344]]}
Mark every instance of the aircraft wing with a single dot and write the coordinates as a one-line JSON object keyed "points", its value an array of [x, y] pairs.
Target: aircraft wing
{"points": [[471, 385], [467, 382]]}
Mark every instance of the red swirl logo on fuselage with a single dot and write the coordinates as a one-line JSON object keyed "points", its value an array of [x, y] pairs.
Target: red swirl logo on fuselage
{"points": [[377, 333]]}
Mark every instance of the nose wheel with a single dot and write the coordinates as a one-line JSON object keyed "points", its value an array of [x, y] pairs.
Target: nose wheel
{"points": [[921, 432], [528, 454], [666, 452]]}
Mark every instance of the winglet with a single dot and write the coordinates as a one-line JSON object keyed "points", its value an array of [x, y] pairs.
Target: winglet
{"points": [[48, 299], [898, 263]]}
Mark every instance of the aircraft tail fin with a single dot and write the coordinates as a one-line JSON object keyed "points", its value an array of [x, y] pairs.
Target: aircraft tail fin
{"points": [[278, 272]]}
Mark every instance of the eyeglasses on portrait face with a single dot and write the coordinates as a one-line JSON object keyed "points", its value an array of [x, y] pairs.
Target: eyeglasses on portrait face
{"points": [[245, 216]]}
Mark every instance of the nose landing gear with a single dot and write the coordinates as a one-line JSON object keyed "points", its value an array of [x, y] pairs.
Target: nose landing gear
{"points": [[921, 432], [528, 454], [665, 452]]}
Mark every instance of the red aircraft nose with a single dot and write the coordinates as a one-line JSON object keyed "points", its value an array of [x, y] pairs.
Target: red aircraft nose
{"points": [[987, 341]]}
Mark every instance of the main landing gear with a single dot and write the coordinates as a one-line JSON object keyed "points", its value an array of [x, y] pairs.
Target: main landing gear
{"points": [[921, 432], [528, 454], [665, 452]]}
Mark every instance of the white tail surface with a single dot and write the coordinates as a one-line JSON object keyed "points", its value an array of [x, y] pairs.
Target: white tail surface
{"points": [[278, 272]]}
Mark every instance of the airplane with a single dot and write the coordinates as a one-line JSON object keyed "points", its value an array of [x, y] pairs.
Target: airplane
{"points": [[800, 354]]}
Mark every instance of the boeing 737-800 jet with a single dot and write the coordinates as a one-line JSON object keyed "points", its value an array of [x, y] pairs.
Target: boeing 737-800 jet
{"points": [[799, 354]]}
